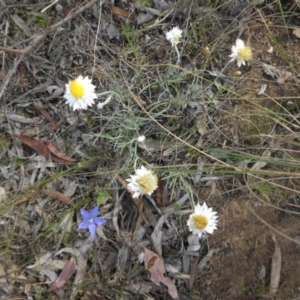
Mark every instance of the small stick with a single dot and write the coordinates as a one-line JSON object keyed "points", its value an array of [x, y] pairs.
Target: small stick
{"points": [[5, 40], [50, 5]]}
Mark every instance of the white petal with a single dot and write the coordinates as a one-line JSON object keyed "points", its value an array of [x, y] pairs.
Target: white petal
{"points": [[240, 43]]}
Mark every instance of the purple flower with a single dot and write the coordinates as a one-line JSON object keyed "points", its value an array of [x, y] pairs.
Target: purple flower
{"points": [[91, 220]]}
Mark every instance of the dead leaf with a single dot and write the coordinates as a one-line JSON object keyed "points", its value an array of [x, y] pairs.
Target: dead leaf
{"points": [[139, 100], [59, 196], [36, 145], [60, 157], [159, 192], [276, 267], [155, 265], [41, 88], [194, 243], [23, 73], [156, 235], [45, 114], [280, 75], [65, 275], [261, 164], [204, 263], [5, 285], [193, 271], [26, 197], [50, 193], [146, 14], [21, 119], [139, 288], [55, 91], [47, 150], [21, 24], [152, 145], [296, 32], [262, 89], [201, 123], [66, 223], [284, 75], [46, 262], [81, 261], [70, 8], [122, 12], [123, 258]]}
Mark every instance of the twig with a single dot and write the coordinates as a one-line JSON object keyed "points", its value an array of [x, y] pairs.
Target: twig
{"points": [[167, 13], [5, 39], [38, 38], [50, 5], [10, 74]]}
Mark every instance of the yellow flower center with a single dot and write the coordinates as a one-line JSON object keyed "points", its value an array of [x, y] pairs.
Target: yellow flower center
{"points": [[147, 183], [176, 37], [245, 53], [76, 89], [200, 221]]}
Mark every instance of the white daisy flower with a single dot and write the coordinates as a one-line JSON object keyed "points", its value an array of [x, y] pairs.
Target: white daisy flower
{"points": [[203, 220], [174, 36], [143, 182], [240, 52], [80, 93]]}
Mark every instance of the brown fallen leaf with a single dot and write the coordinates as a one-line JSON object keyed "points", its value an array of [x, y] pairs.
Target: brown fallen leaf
{"points": [[276, 267], [59, 196], [81, 260], [60, 157], [26, 197], [193, 271], [159, 192], [47, 150], [65, 275], [155, 265], [36, 145], [50, 193], [122, 12], [159, 195], [23, 78]]}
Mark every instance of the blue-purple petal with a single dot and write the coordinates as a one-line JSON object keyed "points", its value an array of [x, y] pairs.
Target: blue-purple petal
{"points": [[85, 214], [99, 221], [92, 228], [84, 224], [94, 212]]}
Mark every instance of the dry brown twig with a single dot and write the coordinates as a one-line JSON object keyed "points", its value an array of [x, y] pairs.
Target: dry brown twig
{"points": [[36, 40]]}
